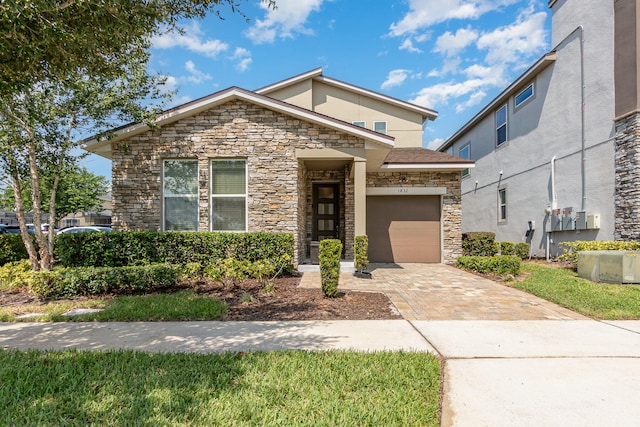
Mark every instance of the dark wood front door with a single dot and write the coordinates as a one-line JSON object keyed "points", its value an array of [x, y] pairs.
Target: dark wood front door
{"points": [[326, 211]]}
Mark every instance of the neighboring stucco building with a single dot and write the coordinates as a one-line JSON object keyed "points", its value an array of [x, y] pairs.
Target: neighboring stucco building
{"points": [[310, 155], [558, 151]]}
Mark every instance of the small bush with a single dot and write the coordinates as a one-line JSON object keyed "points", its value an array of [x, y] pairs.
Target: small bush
{"points": [[329, 254], [501, 265], [478, 244], [15, 274], [361, 250], [12, 248], [69, 282], [523, 250], [573, 248], [507, 248]]}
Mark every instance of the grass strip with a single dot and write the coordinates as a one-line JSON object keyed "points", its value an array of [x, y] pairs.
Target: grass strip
{"points": [[284, 388], [183, 305], [598, 300]]}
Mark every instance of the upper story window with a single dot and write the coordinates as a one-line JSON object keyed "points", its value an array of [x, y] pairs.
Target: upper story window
{"points": [[380, 127], [523, 96], [465, 153], [501, 125], [228, 195], [180, 195], [360, 123]]}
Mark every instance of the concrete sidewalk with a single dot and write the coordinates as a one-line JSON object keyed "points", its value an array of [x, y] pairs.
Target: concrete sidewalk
{"points": [[497, 373]]}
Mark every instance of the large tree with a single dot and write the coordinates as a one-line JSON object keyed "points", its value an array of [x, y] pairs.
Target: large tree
{"points": [[66, 65]]}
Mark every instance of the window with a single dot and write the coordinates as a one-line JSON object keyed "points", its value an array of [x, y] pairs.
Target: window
{"points": [[502, 205], [71, 222], [228, 195], [501, 125], [180, 195], [465, 153], [524, 95], [380, 127], [360, 123]]}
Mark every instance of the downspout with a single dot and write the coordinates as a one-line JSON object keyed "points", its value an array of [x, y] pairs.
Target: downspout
{"points": [[554, 203]]}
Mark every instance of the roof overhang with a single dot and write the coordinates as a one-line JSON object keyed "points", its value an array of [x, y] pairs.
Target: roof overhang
{"points": [[517, 85], [102, 146]]}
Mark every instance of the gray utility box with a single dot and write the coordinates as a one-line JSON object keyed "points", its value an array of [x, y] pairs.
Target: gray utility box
{"points": [[315, 252], [556, 220], [610, 266]]}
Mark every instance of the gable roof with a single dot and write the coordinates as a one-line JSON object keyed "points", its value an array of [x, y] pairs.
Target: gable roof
{"points": [[316, 74], [423, 158], [103, 146]]}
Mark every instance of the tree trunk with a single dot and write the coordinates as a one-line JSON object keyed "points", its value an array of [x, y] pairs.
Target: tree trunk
{"points": [[26, 238], [46, 256]]}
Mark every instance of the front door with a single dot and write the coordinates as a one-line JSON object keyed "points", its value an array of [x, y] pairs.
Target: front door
{"points": [[326, 211]]}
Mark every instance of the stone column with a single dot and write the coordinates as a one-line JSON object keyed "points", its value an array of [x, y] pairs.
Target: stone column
{"points": [[627, 190]]}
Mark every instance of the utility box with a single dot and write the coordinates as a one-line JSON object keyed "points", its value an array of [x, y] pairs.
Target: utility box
{"points": [[567, 219], [556, 220], [581, 220], [610, 266], [593, 222], [315, 252]]}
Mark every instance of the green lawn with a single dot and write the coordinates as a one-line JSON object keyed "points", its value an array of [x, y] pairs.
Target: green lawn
{"points": [[283, 388], [598, 300], [183, 305]]}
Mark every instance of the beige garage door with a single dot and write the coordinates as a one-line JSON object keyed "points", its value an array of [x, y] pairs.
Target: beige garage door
{"points": [[403, 228]]}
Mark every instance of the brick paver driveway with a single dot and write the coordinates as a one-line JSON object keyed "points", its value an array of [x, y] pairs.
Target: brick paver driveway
{"points": [[443, 292]]}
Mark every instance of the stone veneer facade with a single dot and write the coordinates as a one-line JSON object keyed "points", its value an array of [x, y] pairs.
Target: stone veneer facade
{"points": [[451, 219], [279, 185], [627, 189]]}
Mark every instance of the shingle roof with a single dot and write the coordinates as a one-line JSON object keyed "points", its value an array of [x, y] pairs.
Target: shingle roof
{"points": [[399, 156]]}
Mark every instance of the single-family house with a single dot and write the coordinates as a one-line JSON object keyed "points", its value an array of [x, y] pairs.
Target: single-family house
{"points": [[310, 155], [557, 153]]}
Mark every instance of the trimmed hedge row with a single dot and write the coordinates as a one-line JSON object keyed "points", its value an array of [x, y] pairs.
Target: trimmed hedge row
{"points": [[12, 248], [122, 248], [504, 264], [573, 248], [478, 244], [68, 282]]}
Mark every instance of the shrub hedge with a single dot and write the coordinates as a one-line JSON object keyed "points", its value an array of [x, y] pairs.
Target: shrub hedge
{"points": [[69, 282], [361, 250], [329, 254], [479, 244], [507, 248], [522, 250], [504, 264], [573, 248], [11, 248], [124, 248]]}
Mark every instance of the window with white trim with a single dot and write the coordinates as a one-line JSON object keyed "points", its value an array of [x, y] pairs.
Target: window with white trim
{"points": [[523, 96], [360, 123], [465, 153], [380, 127], [501, 125], [228, 195], [180, 195], [71, 222], [502, 205]]}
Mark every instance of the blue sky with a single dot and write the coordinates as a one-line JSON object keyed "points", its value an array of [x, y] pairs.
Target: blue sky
{"points": [[453, 56]]}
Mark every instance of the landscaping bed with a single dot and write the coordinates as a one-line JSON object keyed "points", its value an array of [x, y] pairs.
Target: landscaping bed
{"points": [[247, 300]]}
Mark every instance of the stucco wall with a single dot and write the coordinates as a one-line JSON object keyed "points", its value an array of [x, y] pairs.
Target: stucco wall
{"points": [[266, 139]]}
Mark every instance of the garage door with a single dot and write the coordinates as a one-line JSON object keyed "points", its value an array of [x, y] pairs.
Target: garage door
{"points": [[403, 228]]}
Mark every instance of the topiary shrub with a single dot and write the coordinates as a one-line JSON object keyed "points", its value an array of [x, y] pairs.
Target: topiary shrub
{"points": [[361, 250], [573, 248], [523, 250], [478, 244], [329, 254], [507, 248], [501, 265]]}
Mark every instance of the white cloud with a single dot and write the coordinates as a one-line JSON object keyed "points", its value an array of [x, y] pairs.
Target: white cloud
{"points": [[451, 44], [243, 58], [288, 18], [196, 76], [395, 78], [408, 46], [440, 94], [425, 13], [475, 99], [435, 144], [191, 39], [520, 40]]}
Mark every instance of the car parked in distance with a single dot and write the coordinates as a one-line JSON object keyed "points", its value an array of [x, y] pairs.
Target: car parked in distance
{"points": [[83, 229], [11, 229]]}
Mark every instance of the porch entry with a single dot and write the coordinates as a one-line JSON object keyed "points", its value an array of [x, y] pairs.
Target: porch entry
{"points": [[326, 211]]}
